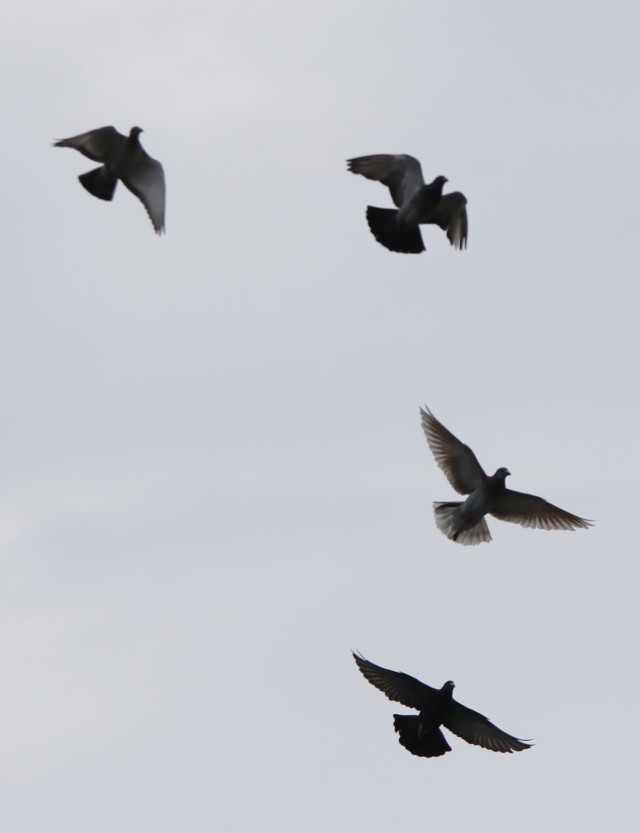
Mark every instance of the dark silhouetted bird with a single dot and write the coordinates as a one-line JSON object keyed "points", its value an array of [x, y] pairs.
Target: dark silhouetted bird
{"points": [[421, 733], [464, 521], [416, 202], [121, 157]]}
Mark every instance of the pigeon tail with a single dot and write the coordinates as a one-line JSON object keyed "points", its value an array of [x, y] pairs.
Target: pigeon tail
{"points": [[448, 522], [391, 234], [100, 182], [429, 745]]}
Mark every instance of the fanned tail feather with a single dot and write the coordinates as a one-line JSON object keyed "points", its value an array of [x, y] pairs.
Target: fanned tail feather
{"points": [[446, 517], [391, 234], [430, 745], [100, 182]]}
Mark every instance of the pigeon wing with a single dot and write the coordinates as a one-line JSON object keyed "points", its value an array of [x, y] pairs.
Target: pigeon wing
{"points": [[397, 686], [477, 729], [535, 512], [457, 460], [144, 177], [401, 173], [451, 215], [100, 145]]}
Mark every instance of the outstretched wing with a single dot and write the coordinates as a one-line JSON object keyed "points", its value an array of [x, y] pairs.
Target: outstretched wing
{"points": [[451, 215], [144, 177], [397, 686], [477, 729], [100, 145], [457, 460], [401, 173], [535, 512]]}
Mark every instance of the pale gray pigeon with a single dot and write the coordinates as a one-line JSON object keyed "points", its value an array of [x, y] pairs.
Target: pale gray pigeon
{"points": [[121, 157], [464, 521], [417, 203], [421, 733]]}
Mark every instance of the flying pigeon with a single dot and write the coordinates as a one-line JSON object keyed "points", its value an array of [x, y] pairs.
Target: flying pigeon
{"points": [[121, 157], [464, 521], [416, 202], [421, 733]]}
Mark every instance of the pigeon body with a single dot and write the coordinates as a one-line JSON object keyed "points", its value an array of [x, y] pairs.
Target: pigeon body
{"points": [[421, 733], [417, 203], [463, 521], [124, 158]]}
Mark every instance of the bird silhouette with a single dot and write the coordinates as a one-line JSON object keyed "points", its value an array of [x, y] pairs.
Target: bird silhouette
{"points": [[464, 521], [124, 158], [421, 733], [417, 203]]}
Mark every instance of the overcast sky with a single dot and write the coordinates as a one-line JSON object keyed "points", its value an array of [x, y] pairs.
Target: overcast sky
{"points": [[214, 481]]}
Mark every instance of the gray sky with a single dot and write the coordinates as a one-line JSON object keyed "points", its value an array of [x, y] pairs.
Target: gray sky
{"points": [[214, 481]]}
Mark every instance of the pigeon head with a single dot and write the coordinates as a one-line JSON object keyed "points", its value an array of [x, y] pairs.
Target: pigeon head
{"points": [[448, 687], [502, 474], [135, 132], [437, 184]]}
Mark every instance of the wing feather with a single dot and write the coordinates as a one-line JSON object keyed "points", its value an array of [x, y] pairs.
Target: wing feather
{"points": [[451, 215], [457, 460], [475, 728], [401, 173], [144, 177], [402, 688], [101, 145], [535, 512]]}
